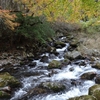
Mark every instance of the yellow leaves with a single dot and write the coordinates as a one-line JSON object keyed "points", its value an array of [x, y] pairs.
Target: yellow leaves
{"points": [[71, 10]]}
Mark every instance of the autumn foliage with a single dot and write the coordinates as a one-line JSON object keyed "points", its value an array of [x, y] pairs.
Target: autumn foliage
{"points": [[8, 18]]}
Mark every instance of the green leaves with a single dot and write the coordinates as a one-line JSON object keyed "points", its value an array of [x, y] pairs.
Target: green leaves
{"points": [[33, 28]]}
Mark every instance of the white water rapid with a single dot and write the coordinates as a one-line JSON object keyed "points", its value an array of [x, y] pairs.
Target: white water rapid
{"points": [[60, 74]]}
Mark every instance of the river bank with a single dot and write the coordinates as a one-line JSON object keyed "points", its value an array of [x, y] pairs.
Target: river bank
{"points": [[80, 48]]}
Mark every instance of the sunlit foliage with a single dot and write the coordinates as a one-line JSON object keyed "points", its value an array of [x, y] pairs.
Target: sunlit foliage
{"points": [[67, 10]]}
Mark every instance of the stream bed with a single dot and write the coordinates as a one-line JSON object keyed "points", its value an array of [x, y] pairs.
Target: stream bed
{"points": [[68, 75]]}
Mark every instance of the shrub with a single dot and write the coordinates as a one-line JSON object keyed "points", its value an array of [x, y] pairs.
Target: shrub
{"points": [[33, 28]]}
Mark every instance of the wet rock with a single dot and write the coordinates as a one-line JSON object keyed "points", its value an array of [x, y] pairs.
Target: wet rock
{"points": [[73, 55], [44, 59], [53, 86], [95, 91], [97, 79], [97, 65], [76, 82], [84, 97], [7, 80], [54, 64], [88, 75], [51, 49], [66, 61], [33, 92], [59, 44], [32, 64], [71, 69], [52, 56]]}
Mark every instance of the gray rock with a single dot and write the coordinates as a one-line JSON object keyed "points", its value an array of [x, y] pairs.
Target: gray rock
{"points": [[54, 86], [88, 75], [73, 55], [97, 79]]}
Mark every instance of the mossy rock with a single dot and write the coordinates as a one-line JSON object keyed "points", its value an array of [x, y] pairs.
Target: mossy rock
{"points": [[95, 91], [97, 65], [7, 80], [54, 64], [60, 44], [4, 95], [84, 97]]}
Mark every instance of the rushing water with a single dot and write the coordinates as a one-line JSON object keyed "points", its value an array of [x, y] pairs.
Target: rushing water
{"points": [[42, 75]]}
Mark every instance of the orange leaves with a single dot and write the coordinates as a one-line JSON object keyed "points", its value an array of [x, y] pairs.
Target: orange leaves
{"points": [[8, 18]]}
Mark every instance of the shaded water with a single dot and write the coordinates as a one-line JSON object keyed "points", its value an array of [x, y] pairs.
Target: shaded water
{"points": [[40, 73]]}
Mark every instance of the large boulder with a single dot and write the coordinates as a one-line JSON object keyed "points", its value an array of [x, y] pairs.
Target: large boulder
{"points": [[73, 55], [95, 91], [7, 80], [84, 97], [54, 64]]}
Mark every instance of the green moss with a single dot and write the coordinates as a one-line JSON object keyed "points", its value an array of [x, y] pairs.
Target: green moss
{"points": [[54, 64], [95, 91], [7, 80]]}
